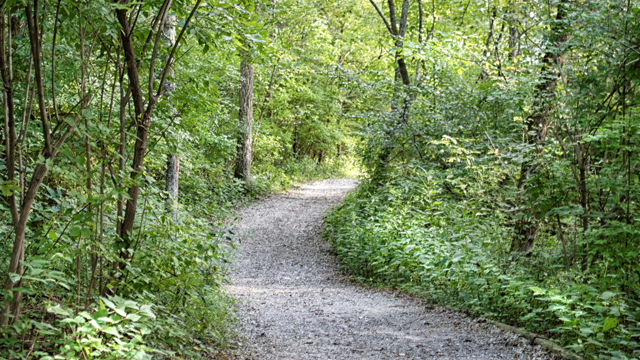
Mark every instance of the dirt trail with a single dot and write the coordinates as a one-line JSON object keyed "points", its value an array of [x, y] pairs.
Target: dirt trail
{"points": [[297, 304]]}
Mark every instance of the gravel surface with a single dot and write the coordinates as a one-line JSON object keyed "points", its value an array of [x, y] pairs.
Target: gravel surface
{"points": [[295, 303]]}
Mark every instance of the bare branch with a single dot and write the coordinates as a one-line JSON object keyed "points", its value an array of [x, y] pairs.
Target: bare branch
{"points": [[433, 24], [32, 24], [173, 50], [163, 9], [386, 23], [421, 20]]}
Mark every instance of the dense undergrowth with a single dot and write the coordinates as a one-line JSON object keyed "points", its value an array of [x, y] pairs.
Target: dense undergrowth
{"points": [[414, 234]]}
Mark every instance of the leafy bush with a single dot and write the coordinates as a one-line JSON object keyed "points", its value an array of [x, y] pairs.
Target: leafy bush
{"points": [[170, 298]]}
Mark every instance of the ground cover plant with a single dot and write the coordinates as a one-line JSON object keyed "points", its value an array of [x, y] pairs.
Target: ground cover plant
{"points": [[413, 235]]}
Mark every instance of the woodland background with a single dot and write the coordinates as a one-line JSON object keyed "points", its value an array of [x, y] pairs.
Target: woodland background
{"points": [[496, 139]]}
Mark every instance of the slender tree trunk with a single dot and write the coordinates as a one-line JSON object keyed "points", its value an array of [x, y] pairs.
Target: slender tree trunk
{"points": [[514, 43], [142, 113], [401, 102], [536, 129], [492, 20], [124, 100], [581, 158], [20, 227], [294, 145], [245, 117], [173, 161], [20, 216], [143, 120], [173, 171]]}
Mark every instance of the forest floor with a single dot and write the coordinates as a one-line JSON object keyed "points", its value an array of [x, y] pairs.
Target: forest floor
{"points": [[296, 303]]}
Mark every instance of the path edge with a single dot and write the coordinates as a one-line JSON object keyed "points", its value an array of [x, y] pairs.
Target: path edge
{"points": [[536, 339]]}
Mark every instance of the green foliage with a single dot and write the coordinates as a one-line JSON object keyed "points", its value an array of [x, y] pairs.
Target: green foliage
{"points": [[414, 234], [501, 180], [87, 290]]}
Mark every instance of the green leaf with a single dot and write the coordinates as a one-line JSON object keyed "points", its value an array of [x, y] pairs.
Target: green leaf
{"points": [[144, 329], [88, 114], [111, 331], [120, 310], [146, 310], [75, 231], [607, 295], [134, 317], [108, 303], [142, 355], [85, 232], [609, 324], [8, 187], [586, 331], [100, 313], [58, 310], [14, 277], [85, 315]]}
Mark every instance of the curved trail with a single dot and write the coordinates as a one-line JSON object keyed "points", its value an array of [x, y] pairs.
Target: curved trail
{"points": [[296, 304]]}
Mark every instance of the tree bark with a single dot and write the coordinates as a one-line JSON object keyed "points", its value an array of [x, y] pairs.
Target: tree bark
{"points": [[142, 114], [20, 227], [143, 121], [173, 161], [514, 37], [173, 172], [245, 118]]}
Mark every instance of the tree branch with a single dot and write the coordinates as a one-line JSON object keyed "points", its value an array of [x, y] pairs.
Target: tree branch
{"points": [[386, 23], [32, 24], [403, 18], [173, 50], [154, 55], [392, 18], [9, 117]]}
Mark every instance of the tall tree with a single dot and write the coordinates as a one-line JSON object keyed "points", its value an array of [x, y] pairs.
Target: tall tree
{"points": [[173, 161], [537, 128], [143, 111], [401, 102], [245, 118]]}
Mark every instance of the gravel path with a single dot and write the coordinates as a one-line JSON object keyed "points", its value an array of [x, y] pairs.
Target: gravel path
{"points": [[295, 303]]}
